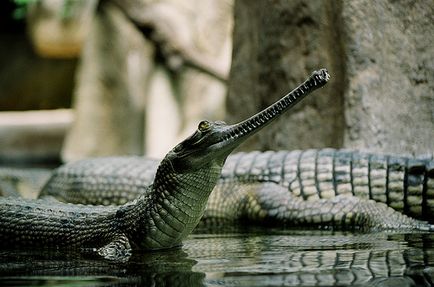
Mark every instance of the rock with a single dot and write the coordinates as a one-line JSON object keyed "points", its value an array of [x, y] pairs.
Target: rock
{"points": [[389, 74], [277, 44], [110, 91], [33, 136], [381, 95], [167, 92]]}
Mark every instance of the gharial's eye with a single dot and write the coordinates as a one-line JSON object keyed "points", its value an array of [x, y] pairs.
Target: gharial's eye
{"points": [[204, 126]]}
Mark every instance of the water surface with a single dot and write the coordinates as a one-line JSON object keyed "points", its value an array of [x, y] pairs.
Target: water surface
{"points": [[250, 257]]}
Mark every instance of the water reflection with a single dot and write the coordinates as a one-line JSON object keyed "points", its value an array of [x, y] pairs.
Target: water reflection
{"points": [[312, 259], [242, 258], [60, 268]]}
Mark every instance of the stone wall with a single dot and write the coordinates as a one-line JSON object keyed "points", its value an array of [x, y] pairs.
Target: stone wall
{"points": [[381, 96], [389, 59]]}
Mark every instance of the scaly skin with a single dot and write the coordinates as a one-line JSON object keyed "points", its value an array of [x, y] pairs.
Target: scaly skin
{"points": [[271, 204], [161, 217], [404, 183]]}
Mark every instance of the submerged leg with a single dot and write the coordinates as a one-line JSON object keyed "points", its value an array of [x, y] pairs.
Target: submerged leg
{"points": [[270, 203], [117, 250]]}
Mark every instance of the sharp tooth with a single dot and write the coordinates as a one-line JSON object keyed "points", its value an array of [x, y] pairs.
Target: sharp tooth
{"points": [[279, 106], [265, 115], [287, 101]]}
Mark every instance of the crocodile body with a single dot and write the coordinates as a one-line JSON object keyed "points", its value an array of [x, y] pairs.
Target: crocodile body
{"points": [[159, 218], [404, 183]]}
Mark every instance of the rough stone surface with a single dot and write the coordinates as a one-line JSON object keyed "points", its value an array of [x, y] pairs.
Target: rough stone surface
{"points": [[380, 56], [277, 44], [141, 93], [389, 97], [109, 96], [33, 136]]}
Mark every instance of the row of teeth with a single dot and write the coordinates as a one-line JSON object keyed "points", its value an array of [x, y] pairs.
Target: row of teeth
{"points": [[278, 107]]}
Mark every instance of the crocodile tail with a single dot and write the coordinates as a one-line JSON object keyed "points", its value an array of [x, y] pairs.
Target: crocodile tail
{"points": [[430, 190], [419, 187], [404, 183]]}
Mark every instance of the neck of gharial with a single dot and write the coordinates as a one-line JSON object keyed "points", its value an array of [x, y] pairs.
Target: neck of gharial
{"points": [[173, 208]]}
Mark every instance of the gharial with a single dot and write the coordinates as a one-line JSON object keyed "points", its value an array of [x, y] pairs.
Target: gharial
{"points": [[308, 177], [161, 217], [315, 187]]}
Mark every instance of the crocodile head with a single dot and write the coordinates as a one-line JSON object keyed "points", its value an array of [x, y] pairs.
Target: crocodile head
{"points": [[212, 142]]}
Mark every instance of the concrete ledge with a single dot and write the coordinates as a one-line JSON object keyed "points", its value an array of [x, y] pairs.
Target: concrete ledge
{"points": [[33, 136]]}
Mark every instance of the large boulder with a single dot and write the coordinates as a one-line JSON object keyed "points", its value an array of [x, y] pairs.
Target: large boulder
{"points": [[277, 44], [389, 75], [381, 96]]}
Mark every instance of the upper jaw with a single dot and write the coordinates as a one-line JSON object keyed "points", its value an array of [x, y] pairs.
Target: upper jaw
{"points": [[237, 133]]}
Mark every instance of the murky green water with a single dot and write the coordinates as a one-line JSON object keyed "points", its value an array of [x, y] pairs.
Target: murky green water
{"points": [[258, 257]]}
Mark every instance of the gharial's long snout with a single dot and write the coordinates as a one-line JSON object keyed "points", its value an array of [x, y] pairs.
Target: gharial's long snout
{"points": [[216, 140], [236, 134]]}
